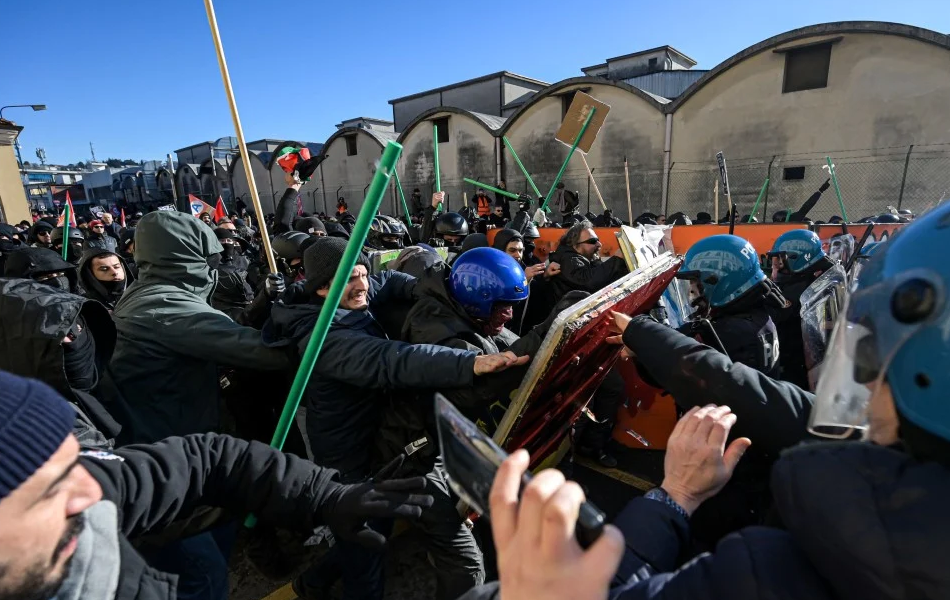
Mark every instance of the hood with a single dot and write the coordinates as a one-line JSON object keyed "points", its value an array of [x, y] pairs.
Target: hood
{"points": [[504, 237], [563, 253], [443, 317], [92, 287], [173, 248], [34, 319], [27, 262], [872, 520]]}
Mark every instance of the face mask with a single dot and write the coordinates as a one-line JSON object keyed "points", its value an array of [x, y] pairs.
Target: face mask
{"points": [[8, 245], [229, 253], [79, 358], [113, 287], [60, 282]]}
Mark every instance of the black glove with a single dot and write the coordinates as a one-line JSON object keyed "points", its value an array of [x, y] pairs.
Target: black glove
{"points": [[825, 185], [274, 286], [568, 299], [348, 507]]}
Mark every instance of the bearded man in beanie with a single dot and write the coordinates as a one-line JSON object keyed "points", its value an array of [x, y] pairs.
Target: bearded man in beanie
{"points": [[67, 516], [359, 372]]}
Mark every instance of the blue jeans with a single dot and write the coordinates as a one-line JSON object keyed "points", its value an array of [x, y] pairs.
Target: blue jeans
{"points": [[201, 563]]}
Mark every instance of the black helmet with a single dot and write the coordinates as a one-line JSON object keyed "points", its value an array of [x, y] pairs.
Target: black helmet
{"points": [[383, 229], [531, 231], [780, 216], [451, 224], [679, 218], [703, 218], [887, 218], [646, 218], [287, 245], [75, 234], [748, 219]]}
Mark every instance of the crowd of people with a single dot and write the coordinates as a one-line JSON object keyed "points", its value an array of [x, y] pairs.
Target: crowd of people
{"points": [[144, 368]]}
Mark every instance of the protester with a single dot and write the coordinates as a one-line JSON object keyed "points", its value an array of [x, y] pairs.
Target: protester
{"points": [[96, 239], [483, 204], [798, 259], [359, 371], [607, 220], [497, 218], [703, 218], [503, 201], [65, 341], [565, 200], [126, 249], [343, 216], [41, 235], [311, 226], [416, 205], [205, 217], [67, 516], [233, 293], [386, 233], [74, 246], [110, 227], [103, 276]]}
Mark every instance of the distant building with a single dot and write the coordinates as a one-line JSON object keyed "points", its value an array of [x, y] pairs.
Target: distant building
{"points": [[665, 71], [40, 184], [498, 94]]}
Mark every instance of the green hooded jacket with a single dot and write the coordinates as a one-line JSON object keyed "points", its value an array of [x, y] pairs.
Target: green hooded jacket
{"points": [[170, 341]]}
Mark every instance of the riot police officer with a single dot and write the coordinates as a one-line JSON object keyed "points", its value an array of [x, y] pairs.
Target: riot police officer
{"points": [[797, 260]]}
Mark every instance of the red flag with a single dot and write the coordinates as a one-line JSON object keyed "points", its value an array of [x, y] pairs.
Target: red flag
{"points": [[219, 212], [72, 213], [122, 217]]}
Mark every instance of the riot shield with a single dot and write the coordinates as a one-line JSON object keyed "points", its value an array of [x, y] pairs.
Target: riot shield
{"points": [[472, 458], [841, 247], [379, 260], [821, 304], [573, 361]]}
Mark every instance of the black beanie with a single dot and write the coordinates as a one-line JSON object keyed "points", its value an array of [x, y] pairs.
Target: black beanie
{"points": [[34, 423], [321, 259], [309, 225]]}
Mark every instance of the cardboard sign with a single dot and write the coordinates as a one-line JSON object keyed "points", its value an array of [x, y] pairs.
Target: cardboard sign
{"points": [[573, 361], [574, 120], [723, 174]]}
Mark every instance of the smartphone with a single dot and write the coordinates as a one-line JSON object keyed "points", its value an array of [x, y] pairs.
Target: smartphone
{"points": [[472, 458]]}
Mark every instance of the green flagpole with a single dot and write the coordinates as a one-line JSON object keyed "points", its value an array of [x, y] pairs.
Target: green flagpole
{"points": [[834, 180], [560, 173], [491, 189], [435, 158], [755, 208], [402, 197], [68, 215], [374, 197], [521, 166]]}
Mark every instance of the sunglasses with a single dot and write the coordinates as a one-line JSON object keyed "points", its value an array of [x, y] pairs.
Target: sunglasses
{"points": [[98, 227], [591, 241]]}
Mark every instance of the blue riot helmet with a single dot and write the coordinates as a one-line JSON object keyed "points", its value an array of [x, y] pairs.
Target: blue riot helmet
{"points": [[726, 266], [482, 277], [799, 249], [893, 330]]}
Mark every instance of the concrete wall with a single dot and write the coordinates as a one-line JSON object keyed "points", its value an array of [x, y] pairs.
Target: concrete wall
{"points": [[483, 97], [515, 89], [353, 173], [634, 128], [470, 152], [239, 187], [406, 111], [883, 91], [13, 204]]}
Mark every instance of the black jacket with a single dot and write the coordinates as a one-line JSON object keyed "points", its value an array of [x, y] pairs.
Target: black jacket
{"points": [[34, 319], [861, 522], [579, 273], [788, 323], [92, 288], [155, 485], [360, 369], [285, 212], [95, 241], [170, 341], [438, 319], [233, 293]]}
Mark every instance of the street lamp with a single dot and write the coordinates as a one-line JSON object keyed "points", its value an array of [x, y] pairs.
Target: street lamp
{"points": [[35, 107]]}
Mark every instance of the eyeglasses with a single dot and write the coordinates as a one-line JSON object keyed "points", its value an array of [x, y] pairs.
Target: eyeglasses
{"points": [[591, 241], [98, 227]]}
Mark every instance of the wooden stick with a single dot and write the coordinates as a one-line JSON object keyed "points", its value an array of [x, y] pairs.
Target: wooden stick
{"points": [[242, 147], [594, 181], [626, 175]]}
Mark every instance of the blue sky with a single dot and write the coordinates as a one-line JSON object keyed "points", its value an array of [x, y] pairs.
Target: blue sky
{"points": [[140, 79]]}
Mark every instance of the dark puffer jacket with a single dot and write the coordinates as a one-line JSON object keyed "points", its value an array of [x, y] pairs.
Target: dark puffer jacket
{"points": [[170, 341], [861, 522], [360, 369], [580, 273], [34, 319]]}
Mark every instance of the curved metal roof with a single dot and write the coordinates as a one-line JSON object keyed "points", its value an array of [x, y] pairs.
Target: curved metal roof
{"points": [[491, 123]]}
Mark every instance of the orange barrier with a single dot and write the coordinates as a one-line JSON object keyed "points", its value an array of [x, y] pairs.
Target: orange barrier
{"points": [[762, 236]]}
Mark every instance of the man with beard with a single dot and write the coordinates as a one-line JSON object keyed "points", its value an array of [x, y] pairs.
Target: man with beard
{"points": [[65, 341], [74, 245], [103, 277], [41, 235], [360, 371], [797, 261], [97, 238], [67, 515], [583, 269], [514, 245], [44, 266]]}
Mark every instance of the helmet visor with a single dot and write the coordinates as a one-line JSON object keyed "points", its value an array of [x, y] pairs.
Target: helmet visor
{"points": [[877, 322]]}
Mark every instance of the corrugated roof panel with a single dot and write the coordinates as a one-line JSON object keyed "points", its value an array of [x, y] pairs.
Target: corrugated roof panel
{"points": [[666, 84], [491, 121]]}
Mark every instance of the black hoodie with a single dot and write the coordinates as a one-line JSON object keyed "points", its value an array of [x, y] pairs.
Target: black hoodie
{"points": [[92, 288], [34, 319]]}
